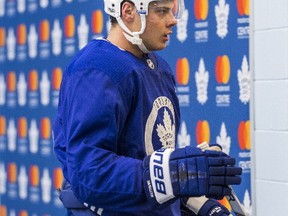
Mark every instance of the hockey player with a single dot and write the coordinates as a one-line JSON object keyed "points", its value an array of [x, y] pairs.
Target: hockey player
{"points": [[117, 119]]}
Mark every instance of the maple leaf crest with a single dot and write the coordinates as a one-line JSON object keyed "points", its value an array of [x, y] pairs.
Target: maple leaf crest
{"points": [[166, 132]]}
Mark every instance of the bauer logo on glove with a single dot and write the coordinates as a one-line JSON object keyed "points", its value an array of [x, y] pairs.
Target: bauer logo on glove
{"points": [[188, 172]]}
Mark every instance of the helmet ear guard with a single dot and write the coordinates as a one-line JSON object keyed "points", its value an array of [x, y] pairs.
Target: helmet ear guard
{"points": [[113, 7]]}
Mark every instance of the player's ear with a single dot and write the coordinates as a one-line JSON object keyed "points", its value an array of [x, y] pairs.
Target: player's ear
{"points": [[128, 11]]}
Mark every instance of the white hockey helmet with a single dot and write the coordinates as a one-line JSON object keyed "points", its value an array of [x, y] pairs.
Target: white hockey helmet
{"points": [[113, 8]]}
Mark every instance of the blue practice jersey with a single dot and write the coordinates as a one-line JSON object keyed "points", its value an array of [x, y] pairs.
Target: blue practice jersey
{"points": [[114, 109]]}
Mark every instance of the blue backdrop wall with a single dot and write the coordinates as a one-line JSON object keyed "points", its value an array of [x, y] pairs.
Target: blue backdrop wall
{"points": [[209, 52]]}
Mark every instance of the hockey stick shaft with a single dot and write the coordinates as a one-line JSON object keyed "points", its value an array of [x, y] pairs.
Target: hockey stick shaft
{"points": [[235, 203]]}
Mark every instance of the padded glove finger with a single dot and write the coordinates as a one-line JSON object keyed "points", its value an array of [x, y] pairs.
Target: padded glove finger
{"points": [[214, 161], [225, 170], [229, 180], [218, 192], [230, 171]]}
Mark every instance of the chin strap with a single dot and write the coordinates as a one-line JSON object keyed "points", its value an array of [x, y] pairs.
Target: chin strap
{"points": [[134, 37]]}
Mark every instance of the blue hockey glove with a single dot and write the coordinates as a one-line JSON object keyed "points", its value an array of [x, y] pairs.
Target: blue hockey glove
{"points": [[209, 207], [188, 172], [213, 208]]}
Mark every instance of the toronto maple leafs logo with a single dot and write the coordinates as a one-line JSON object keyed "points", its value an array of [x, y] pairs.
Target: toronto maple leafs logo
{"points": [[83, 31], [183, 137], [222, 13], [21, 6], [247, 203], [2, 89], [11, 135], [201, 78], [56, 36], [182, 26], [44, 3], [11, 44], [32, 41], [2, 8], [161, 123], [22, 89], [244, 81], [166, 131], [223, 139]]}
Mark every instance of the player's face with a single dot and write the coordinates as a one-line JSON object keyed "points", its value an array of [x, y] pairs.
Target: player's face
{"points": [[159, 23]]}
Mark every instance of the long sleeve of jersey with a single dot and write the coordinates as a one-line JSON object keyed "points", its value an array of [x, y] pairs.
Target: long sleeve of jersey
{"points": [[101, 127]]}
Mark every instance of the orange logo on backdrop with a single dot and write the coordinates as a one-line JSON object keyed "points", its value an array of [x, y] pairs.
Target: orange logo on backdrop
{"points": [[202, 132], [11, 81], [243, 7], [3, 210], [34, 175], [56, 78], [23, 213], [33, 80], [69, 26], [176, 5], [97, 21], [244, 135], [12, 172], [44, 30], [45, 128], [182, 71], [2, 125], [201, 8], [2, 37], [222, 69], [225, 203], [57, 178], [22, 127], [21, 34]]}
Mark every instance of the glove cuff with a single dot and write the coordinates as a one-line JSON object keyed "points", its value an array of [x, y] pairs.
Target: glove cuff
{"points": [[157, 182], [213, 208], [195, 203]]}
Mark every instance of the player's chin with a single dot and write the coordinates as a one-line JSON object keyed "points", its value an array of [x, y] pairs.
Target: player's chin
{"points": [[160, 46], [156, 46]]}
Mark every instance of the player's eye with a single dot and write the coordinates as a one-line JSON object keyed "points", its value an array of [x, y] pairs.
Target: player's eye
{"points": [[162, 10]]}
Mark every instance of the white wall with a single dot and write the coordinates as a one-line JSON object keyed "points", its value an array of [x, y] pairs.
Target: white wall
{"points": [[269, 108]]}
